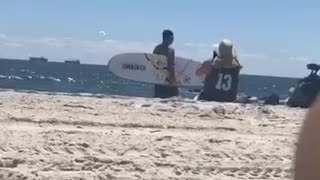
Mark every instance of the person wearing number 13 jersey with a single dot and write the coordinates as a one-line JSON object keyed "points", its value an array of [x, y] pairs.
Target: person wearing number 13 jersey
{"points": [[222, 75]]}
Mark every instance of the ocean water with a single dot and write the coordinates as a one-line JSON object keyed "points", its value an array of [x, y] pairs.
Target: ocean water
{"points": [[85, 78]]}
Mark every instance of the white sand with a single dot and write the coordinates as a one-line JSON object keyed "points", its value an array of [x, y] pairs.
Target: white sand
{"points": [[72, 137]]}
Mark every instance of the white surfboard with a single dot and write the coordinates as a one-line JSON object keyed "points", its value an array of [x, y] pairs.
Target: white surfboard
{"points": [[152, 68]]}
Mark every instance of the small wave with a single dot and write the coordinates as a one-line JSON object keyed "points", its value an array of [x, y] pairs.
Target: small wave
{"points": [[291, 90], [3, 77], [15, 78], [54, 79], [71, 80], [11, 77]]}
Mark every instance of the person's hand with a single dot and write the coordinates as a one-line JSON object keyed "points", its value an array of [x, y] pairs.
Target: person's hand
{"points": [[172, 81], [204, 69]]}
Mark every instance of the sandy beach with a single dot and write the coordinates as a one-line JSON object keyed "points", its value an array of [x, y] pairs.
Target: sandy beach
{"points": [[56, 136]]}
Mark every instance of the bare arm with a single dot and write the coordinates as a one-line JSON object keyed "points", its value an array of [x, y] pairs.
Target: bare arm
{"points": [[171, 62], [171, 69], [205, 68], [237, 61]]}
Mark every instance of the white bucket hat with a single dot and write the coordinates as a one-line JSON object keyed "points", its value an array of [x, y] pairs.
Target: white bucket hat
{"points": [[226, 55]]}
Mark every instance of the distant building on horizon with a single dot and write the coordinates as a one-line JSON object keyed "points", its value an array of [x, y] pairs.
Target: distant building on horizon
{"points": [[72, 61], [38, 59]]}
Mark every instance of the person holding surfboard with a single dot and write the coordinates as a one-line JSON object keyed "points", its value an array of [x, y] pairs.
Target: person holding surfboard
{"points": [[167, 91], [222, 74]]}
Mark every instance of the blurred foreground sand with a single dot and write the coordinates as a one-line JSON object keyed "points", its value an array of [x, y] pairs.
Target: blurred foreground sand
{"points": [[52, 136]]}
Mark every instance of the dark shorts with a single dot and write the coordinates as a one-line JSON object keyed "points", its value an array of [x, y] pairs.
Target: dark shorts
{"points": [[163, 91]]}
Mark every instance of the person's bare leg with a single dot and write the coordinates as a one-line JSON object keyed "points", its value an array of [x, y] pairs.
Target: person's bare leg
{"points": [[307, 162]]}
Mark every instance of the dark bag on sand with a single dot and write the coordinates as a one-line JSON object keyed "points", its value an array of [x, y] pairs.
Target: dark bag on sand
{"points": [[273, 99], [306, 90]]}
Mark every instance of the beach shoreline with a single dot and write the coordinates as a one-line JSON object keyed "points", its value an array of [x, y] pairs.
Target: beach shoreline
{"points": [[72, 136]]}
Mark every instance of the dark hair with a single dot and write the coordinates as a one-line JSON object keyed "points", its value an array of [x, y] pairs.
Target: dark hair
{"points": [[215, 54], [166, 33]]}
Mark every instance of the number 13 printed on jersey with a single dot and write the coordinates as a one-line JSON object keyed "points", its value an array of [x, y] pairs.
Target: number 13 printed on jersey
{"points": [[224, 82]]}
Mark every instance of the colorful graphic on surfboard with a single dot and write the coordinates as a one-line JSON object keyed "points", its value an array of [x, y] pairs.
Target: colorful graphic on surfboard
{"points": [[152, 68]]}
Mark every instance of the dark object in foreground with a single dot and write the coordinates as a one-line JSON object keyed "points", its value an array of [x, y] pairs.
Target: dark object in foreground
{"points": [[307, 89], [273, 99]]}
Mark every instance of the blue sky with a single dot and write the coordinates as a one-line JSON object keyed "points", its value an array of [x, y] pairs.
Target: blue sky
{"points": [[272, 37]]}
